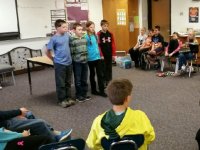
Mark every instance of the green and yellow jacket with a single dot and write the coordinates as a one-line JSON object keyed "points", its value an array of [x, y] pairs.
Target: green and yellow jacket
{"points": [[134, 122]]}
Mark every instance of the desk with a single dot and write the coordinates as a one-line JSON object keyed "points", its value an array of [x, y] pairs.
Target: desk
{"points": [[43, 60]]}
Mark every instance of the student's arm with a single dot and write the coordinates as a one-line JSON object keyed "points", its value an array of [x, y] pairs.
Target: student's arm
{"points": [[166, 50], [92, 137], [137, 44], [177, 49], [72, 46], [6, 115], [113, 45], [7, 135], [149, 130], [99, 43], [49, 48], [49, 54]]}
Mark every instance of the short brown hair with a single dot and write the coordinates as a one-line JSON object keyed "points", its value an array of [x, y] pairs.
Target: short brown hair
{"points": [[157, 27], [75, 25], [59, 23], [104, 22], [118, 90]]}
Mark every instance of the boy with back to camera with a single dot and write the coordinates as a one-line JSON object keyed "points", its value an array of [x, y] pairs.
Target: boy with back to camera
{"points": [[80, 65], [107, 49], [62, 63], [120, 122]]}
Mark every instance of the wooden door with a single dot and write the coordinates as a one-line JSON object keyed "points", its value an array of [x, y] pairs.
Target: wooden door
{"points": [[161, 16]]}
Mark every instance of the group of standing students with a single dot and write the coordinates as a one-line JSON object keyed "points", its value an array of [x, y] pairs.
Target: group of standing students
{"points": [[77, 52]]}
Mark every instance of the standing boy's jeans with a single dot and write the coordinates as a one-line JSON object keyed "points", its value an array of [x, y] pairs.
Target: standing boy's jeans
{"points": [[36, 126], [96, 66], [80, 76], [107, 71], [63, 77], [183, 57]]}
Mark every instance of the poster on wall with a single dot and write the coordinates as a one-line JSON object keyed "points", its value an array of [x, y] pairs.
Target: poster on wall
{"points": [[77, 11], [193, 14]]}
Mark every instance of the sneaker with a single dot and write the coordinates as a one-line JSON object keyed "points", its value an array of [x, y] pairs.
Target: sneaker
{"points": [[81, 99], [87, 98], [64, 104], [64, 135], [71, 101], [103, 94], [183, 68], [1, 88]]}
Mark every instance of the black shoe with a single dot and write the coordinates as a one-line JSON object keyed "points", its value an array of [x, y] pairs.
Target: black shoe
{"points": [[137, 65], [95, 93], [103, 94]]}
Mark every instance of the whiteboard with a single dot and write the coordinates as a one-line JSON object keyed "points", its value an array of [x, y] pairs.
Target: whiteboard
{"points": [[35, 18], [8, 16]]}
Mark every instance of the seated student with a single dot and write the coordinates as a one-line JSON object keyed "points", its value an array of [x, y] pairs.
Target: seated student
{"points": [[146, 46], [174, 46], [157, 46], [15, 120], [120, 122], [184, 57], [134, 52], [21, 141], [157, 42]]}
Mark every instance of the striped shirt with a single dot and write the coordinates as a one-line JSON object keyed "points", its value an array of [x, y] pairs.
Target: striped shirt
{"points": [[78, 49]]}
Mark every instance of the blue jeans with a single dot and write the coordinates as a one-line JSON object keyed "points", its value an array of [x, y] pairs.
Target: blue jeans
{"points": [[36, 126], [81, 77], [183, 57], [63, 77]]}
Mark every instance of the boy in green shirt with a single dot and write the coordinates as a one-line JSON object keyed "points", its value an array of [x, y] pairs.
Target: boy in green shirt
{"points": [[121, 122]]}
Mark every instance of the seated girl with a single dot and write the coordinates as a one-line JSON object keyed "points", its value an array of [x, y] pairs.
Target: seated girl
{"points": [[21, 141], [174, 46], [134, 52], [187, 56], [146, 46]]}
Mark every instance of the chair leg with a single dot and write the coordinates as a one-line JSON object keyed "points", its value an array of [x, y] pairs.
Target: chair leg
{"points": [[162, 65], [190, 69], [13, 77], [177, 65]]}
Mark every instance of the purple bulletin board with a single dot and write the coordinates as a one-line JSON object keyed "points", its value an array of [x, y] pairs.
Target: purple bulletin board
{"points": [[77, 11]]}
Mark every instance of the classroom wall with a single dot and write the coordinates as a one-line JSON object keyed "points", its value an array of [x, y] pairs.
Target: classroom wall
{"points": [[95, 14], [143, 13], [179, 15]]}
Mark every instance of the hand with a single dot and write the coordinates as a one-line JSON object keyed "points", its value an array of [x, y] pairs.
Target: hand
{"points": [[23, 111], [166, 54], [102, 57], [26, 133], [113, 58], [170, 55]]}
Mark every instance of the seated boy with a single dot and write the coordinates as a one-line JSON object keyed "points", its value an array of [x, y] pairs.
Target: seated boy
{"points": [[20, 119], [121, 122]]}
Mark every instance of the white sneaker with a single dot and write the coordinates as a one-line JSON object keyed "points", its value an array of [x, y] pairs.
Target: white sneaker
{"points": [[183, 68], [1, 88]]}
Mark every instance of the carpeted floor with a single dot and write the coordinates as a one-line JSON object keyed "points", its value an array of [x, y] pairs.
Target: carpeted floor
{"points": [[172, 104]]}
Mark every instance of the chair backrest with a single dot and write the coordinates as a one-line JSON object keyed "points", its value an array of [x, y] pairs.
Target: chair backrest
{"points": [[74, 144], [124, 145], [138, 139]]}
